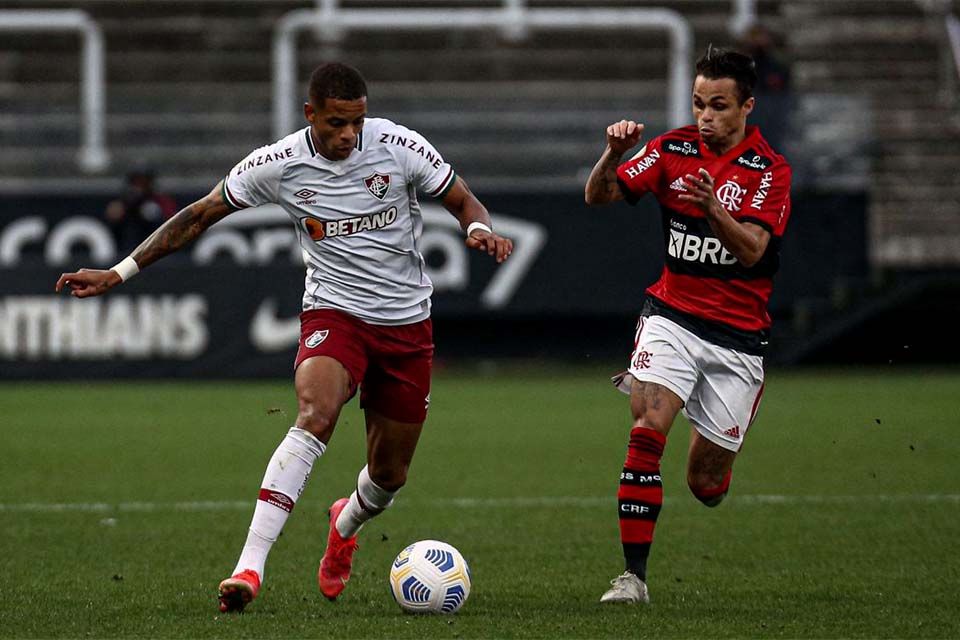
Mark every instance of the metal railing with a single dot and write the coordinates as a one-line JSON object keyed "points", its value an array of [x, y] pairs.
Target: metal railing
{"points": [[93, 155], [953, 35], [332, 22]]}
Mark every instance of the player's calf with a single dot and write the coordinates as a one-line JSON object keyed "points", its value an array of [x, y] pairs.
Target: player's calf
{"points": [[707, 490]]}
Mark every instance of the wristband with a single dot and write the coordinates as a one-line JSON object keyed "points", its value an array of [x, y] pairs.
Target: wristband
{"points": [[126, 268], [478, 225]]}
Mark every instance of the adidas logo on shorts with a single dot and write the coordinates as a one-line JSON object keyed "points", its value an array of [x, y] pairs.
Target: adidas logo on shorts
{"points": [[733, 432]]}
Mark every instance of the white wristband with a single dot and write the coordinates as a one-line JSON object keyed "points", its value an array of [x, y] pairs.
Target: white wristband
{"points": [[478, 225], [126, 268]]}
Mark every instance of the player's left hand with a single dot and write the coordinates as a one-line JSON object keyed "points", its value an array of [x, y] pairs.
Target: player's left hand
{"points": [[700, 191], [493, 244]]}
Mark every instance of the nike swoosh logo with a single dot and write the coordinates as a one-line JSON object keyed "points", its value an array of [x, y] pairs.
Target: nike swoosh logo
{"points": [[270, 333]]}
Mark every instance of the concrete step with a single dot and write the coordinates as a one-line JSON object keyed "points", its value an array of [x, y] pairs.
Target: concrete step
{"points": [[814, 72], [519, 158], [256, 97], [873, 30], [887, 192], [919, 216], [907, 251], [805, 9]]}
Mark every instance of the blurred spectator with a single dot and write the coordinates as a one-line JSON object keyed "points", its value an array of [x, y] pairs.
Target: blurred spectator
{"points": [[773, 76], [139, 211], [774, 98]]}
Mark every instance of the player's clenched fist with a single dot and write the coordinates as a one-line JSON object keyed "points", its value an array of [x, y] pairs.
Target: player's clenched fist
{"points": [[623, 136], [88, 282], [494, 245]]}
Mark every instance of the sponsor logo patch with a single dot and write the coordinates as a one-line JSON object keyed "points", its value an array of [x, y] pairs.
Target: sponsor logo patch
{"points": [[316, 338], [277, 499], [378, 184], [320, 229], [693, 248], [642, 164], [765, 183], [753, 161], [678, 185], [681, 147]]}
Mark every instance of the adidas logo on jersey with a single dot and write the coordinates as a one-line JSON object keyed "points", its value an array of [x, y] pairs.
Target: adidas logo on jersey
{"points": [[678, 185], [733, 432]]}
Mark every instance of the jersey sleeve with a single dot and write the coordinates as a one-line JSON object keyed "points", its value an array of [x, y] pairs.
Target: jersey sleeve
{"points": [[255, 180], [640, 174], [423, 165], [770, 205]]}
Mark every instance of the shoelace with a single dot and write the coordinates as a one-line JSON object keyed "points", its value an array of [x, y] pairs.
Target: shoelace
{"points": [[343, 554]]}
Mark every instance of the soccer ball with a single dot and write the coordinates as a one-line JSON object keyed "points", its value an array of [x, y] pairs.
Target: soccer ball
{"points": [[430, 576]]}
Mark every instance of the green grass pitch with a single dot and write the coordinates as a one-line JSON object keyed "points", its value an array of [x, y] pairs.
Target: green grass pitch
{"points": [[123, 505]]}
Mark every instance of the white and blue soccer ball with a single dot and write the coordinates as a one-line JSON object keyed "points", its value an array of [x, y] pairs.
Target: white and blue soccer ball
{"points": [[430, 576]]}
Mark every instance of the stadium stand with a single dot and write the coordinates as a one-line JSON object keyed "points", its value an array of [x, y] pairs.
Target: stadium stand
{"points": [[189, 89], [874, 117]]}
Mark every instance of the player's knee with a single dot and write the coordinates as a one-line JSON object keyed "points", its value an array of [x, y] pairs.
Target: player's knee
{"points": [[708, 488], [318, 418], [389, 478]]}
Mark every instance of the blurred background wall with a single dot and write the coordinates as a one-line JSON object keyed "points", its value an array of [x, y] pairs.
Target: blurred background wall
{"points": [[860, 96]]}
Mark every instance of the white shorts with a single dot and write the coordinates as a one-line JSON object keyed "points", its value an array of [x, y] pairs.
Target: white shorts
{"points": [[720, 387]]}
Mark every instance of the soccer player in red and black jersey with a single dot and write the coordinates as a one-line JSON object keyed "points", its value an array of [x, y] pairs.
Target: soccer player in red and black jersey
{"points": [[724, 196]]}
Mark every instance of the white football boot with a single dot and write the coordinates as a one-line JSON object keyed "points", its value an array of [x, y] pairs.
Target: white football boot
{"points": [[626, 588]]}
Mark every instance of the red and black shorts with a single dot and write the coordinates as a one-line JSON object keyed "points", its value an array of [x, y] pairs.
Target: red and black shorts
{"points": [[390, 364]]}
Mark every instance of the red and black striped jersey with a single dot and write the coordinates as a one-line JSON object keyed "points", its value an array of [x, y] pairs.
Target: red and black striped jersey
{"points": [[703, 287]]}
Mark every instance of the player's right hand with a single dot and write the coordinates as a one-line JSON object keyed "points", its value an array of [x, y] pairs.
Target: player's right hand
{"points": [[623, 136], [89, 282]]}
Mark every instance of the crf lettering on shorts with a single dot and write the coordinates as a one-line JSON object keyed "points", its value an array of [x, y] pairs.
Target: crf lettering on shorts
{"points": [[320, 229], [643, 164], [693, 248]]}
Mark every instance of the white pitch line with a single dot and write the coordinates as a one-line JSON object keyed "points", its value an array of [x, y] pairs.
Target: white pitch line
{"points": [[482, 503]]}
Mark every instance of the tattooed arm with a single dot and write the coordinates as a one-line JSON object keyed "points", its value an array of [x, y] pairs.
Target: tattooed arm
{"points": [[174, 234], [601, 187]]}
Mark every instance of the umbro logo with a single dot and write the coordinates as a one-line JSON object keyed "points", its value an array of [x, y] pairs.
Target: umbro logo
{"points": [[733, 432], [305, 194], [678, 185]]}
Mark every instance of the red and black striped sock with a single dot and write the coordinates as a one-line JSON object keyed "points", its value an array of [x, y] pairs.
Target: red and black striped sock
{"points": [[640, 497]]}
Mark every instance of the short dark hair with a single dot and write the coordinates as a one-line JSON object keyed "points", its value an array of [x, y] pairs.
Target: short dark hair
{"points": [[336, 80], [720, 62]]}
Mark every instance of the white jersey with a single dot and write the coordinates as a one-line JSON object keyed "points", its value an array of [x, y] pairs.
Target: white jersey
{"points": [[357, 219]]}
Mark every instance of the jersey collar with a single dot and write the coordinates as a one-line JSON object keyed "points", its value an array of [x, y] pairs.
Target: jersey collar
{"points": [[336, 166], [751, 133]]}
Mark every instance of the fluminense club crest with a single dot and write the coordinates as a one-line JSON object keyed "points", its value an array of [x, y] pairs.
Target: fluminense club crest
{"points": [[377, 185], [316, 338]]}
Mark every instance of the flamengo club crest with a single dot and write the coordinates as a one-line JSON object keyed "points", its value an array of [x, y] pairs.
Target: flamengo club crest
{"points": [[377, 185], [730, 195]]}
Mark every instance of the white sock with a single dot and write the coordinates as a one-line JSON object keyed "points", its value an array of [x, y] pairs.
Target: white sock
{"points": [[366, 502], [286, 476]]}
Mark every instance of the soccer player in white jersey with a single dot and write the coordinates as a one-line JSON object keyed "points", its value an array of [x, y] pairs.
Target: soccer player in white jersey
{"points": [[349, 184]]}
